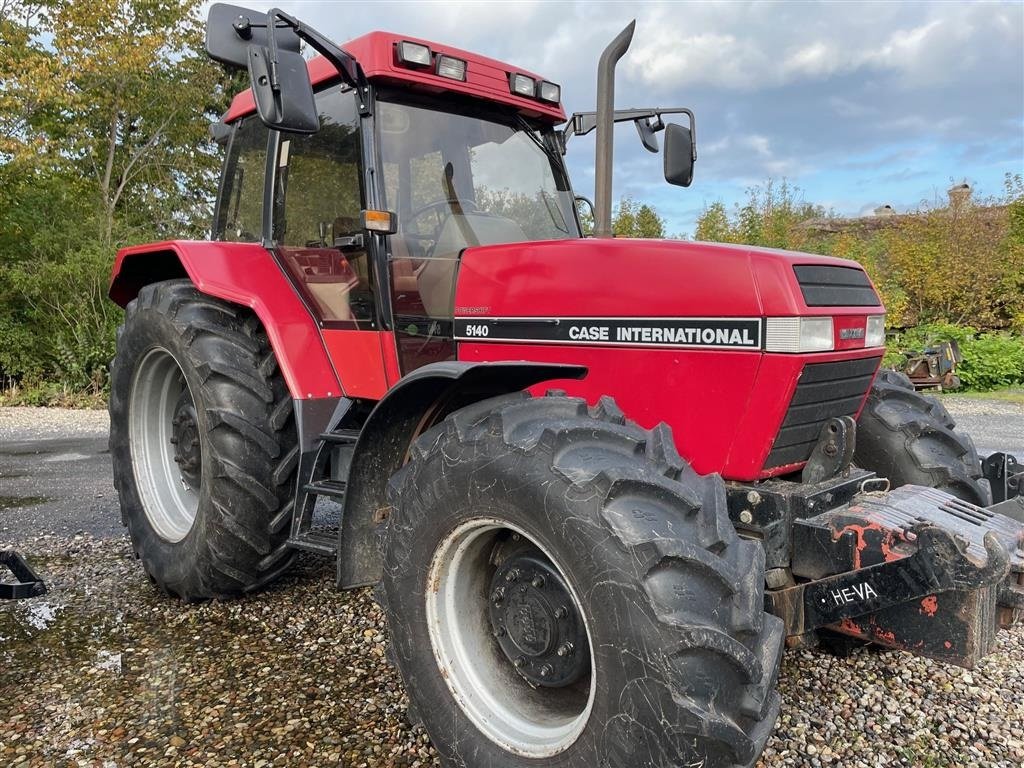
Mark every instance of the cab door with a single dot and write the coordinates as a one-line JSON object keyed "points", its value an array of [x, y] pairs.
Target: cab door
{"points": [[318, 198]]}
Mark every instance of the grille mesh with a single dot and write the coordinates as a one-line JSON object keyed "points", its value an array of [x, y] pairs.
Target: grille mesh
{"points": [[825, 390]]}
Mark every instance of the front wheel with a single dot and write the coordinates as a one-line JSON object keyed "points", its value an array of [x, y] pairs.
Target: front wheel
{"points": [[563, 590], [203, 443], [910, 438]]}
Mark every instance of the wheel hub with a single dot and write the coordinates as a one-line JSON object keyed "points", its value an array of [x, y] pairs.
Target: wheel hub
{"points": [[535, 621], [188, 453]]}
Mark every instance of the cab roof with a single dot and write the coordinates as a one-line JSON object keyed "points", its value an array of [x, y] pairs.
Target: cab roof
{"points": [[376, 52]]}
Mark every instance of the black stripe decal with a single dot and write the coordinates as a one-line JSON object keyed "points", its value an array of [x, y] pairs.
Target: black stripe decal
{"points": [[699, 332]]}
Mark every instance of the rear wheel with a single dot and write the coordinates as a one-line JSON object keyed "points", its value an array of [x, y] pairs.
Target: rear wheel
{"points": [[912, 439], [563, 590], [203, 443]]}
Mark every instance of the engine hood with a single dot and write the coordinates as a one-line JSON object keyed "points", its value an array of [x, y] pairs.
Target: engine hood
{"points": [[678, 332], [636, 278]]}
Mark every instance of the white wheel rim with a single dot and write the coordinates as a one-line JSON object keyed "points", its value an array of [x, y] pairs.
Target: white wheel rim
{"points": [[169, 503], [528, 721]]}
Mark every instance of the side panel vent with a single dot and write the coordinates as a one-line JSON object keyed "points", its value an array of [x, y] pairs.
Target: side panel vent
{"points": [[824, 286]]}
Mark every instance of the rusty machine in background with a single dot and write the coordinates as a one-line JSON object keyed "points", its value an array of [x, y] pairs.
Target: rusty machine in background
{"points": [[935, 367]]}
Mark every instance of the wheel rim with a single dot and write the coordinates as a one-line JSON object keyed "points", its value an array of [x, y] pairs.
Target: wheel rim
{"points": [[525, 719], [166, 447]]}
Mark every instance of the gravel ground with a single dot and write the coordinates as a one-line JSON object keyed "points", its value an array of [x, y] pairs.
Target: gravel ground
{"points": [[23, 424], [104, 672]]}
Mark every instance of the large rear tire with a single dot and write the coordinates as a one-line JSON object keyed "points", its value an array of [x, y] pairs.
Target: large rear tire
{"points": [[563, 590], [912, 439], [203, 443]]}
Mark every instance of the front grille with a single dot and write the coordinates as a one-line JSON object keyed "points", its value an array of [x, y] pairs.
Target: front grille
{"points": [[824, 391], [824, 286]]}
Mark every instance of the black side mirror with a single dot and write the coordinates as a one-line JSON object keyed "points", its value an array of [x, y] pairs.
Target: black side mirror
{"points": [[239, 37], [231, 29], [288, 104], [680, 153]]}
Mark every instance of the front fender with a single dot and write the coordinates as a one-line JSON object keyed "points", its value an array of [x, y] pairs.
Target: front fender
{"points": [[412, 406], [248, 275]]}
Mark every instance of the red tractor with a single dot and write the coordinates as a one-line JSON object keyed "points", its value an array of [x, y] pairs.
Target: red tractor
{"points": [[600, 482]]}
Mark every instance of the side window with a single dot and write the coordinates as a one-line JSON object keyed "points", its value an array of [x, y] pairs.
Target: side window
{"points": [[240, 216], [317, 212]]}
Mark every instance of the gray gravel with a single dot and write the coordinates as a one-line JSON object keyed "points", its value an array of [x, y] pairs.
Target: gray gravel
{"points": [[995, 425], [103, 671], [21, 424]]}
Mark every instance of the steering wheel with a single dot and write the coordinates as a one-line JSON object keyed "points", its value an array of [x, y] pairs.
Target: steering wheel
{"points": [[468, 206]]}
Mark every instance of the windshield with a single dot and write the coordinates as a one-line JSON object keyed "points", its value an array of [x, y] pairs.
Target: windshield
{"points": [[457, 180]]}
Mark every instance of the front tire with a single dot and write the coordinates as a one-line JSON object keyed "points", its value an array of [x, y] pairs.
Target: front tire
{"points": [[912, 439], [203, 443], [526, 527]]}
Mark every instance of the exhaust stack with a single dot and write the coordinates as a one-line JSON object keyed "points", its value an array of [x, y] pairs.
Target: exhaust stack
{"points": [[605, 129]]}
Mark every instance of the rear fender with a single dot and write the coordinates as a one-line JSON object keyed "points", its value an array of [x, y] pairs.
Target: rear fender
{"points": [[248, 275], [412, 406]]}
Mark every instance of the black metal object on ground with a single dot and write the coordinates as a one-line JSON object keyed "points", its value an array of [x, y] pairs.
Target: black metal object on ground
{"points": [[28, 583]]}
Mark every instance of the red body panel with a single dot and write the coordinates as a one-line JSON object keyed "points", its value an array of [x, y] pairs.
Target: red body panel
{"points": [[245, 274], [725, 406], [358, 359], [485, 78]]}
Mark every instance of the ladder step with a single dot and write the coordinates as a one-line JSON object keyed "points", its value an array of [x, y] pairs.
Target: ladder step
{"points": [[333, 488], [342, 436], [317, 542]]}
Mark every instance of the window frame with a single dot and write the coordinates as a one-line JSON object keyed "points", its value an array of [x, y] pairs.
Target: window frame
{"points": [[381, 319]]}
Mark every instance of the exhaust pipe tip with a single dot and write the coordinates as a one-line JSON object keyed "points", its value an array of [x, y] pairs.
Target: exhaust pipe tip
{"points": [[605, 128]]}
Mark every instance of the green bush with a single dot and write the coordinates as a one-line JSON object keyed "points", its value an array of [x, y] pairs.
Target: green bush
{"points": [[56, 323], [990, 360]]}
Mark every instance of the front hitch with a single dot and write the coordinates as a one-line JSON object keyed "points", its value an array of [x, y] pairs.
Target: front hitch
{"points": [[915, 569]]}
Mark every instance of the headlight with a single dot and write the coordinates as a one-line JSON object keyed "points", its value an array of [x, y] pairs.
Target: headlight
{"points": [[449, 66], [414, 53], [522, 85], [874, 333], [799, 334], [549, 92]]}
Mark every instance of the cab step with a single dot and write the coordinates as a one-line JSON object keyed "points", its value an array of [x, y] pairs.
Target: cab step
{"points": [[321, 543], [332, 488]]}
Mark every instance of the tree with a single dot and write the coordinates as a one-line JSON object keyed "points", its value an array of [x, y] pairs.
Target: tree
{"points": [[771, 217], [104, 114], [962, 262], [632, 219]]}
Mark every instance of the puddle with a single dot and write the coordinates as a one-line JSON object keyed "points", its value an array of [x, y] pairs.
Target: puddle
{"points": [[65, 457], [17, 502]]}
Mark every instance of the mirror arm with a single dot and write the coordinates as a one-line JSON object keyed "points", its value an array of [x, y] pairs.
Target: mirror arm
{"points": [[347, 66], [582, 123]]}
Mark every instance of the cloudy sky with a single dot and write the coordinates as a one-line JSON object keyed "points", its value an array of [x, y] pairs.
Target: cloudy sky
{"points": [[858, 104]]}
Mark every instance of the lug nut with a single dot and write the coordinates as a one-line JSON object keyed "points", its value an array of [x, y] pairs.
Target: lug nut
{"points": [[512, 575], [546, 670], [538, 581], [519, 662], [499, 632], [565, 649], [561, 612], [498, 595]]}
